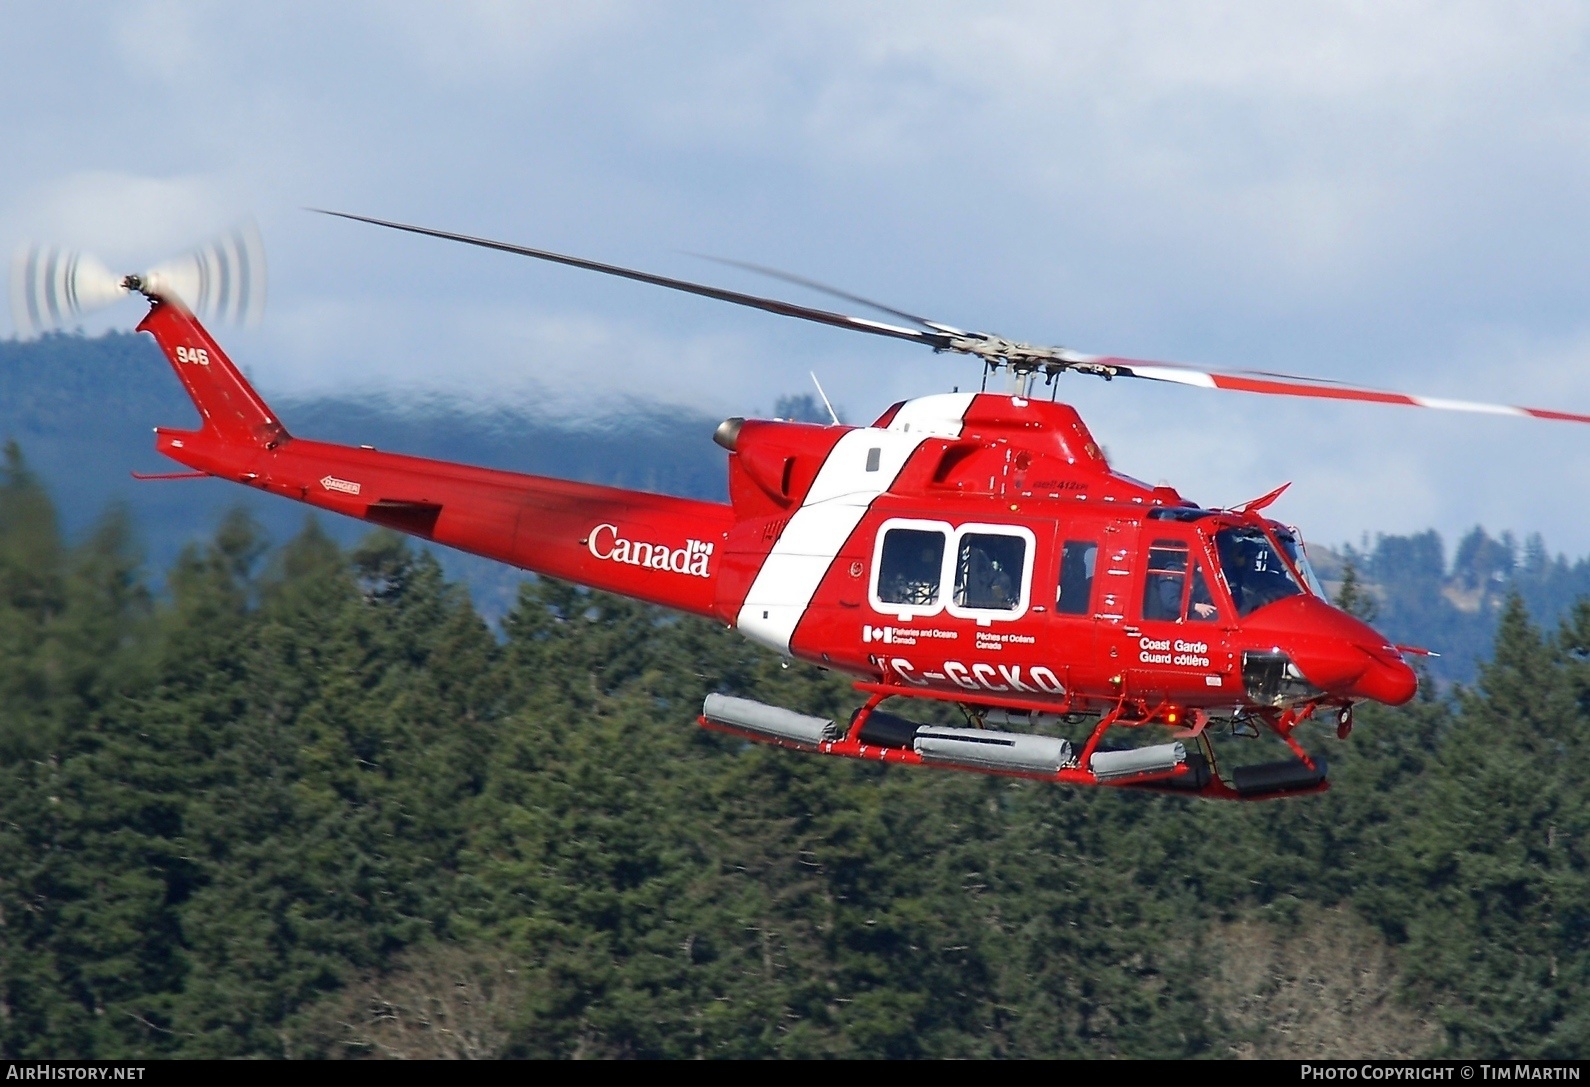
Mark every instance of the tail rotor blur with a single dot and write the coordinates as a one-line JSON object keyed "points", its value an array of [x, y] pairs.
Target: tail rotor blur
{"points": [[224, 279], [51, 287]]}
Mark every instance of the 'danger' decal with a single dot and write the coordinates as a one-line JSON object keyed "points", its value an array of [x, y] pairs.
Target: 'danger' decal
{"points": [[342, 486], [606, 544]]}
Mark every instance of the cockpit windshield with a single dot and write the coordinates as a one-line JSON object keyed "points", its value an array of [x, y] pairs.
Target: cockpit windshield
{"points": [[1254, 572], [1299, 556]]}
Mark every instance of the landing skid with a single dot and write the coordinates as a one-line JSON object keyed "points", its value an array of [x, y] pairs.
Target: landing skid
{"points": [[880, 737]]}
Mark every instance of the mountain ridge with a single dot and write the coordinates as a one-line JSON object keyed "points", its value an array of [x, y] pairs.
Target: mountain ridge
{"points": [[81, 407]]}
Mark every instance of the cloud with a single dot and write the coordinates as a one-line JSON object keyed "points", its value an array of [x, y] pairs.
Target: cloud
{"points": [[1390, 194], [126, 217], [495, 44], [568, 365]]}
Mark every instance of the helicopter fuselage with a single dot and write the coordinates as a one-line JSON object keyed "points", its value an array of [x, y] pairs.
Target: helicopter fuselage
{"points": [[979, 547], [973, 548]]}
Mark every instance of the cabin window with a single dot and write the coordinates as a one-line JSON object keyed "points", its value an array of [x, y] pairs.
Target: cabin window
{"points": [[1294, 548], [1171, 574], [992, 572], [909, 563], [1164, 580], [1078, 560], [988, 571], [909, 566], [874, 458]]}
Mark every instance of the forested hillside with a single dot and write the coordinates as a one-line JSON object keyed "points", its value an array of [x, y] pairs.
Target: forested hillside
{"points": [[1420, 597], [83, 408], [304, 802]]}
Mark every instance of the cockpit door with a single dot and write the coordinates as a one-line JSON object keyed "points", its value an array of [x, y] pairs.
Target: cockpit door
{"points": [[1108, 599], [1075, 590], [1177, 618]]}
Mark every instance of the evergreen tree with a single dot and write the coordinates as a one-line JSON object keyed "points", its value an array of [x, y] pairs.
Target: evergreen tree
{"points": [[1352, 597], [303, 803]]}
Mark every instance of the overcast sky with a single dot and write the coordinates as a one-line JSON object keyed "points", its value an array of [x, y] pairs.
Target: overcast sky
{"points": [[1392, 194]]}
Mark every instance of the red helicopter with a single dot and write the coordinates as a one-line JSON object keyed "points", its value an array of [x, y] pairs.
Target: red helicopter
{"points": [[972, 548]]}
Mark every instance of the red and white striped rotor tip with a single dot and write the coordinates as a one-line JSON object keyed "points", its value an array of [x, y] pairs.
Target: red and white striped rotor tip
{"points": [[1287, 385]]}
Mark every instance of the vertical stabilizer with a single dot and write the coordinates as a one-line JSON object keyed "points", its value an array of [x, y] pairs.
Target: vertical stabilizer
{"points": [[232, 411]]}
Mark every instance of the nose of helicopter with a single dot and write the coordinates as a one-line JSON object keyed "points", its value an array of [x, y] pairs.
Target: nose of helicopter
{"points": [[1387, 679], [1334, 651]]}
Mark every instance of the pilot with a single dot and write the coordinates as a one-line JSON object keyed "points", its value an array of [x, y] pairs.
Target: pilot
{"points": [[1201, 604], [1239, 568], [1269, 583], [1163, 599], [1255, 576]]}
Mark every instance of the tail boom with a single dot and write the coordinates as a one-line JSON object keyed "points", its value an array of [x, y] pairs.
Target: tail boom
{"points": [[657, 548]]}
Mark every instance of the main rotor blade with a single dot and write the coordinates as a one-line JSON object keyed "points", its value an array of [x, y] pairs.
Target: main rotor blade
{"points": [[835, 292], [996, 351], [1269, 384], [936, 340]]}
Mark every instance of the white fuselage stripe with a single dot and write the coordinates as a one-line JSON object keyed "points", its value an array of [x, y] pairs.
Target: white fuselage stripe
{"points": [[837, 501]]}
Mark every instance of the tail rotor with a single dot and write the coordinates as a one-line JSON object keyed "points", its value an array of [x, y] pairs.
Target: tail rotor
{"points": [[224, 279]]}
